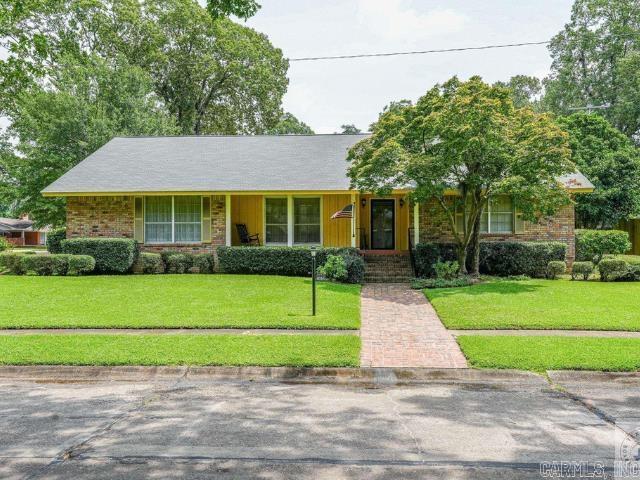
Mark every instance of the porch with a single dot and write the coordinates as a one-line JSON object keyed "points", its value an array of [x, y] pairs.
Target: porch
{"points": [[376, 224]]}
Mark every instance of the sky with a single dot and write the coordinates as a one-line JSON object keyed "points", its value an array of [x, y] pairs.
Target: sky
{"points": [[327, 94]]}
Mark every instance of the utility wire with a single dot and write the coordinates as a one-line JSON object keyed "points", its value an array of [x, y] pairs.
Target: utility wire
{"points": [[417, 52]]}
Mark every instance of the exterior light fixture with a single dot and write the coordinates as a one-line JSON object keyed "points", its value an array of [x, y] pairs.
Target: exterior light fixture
{"points": [[363, 202], [401, 202], [314, 251]]}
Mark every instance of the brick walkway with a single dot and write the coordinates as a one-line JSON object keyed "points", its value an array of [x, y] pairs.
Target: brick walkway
{"points": [[401, 329]]}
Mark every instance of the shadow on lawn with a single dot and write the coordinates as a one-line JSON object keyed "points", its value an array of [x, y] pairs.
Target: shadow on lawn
{"points": [[500, 288]]}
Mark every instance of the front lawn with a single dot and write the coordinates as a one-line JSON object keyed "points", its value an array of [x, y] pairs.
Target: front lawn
{"points": [[540, 304], [172, 301], [261, 350], [552, 353]]}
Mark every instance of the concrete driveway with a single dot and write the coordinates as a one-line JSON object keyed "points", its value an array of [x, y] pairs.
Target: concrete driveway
{"points": [[239, 429]]}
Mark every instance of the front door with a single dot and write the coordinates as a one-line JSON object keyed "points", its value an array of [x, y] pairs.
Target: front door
{"points": [[383, 221]]}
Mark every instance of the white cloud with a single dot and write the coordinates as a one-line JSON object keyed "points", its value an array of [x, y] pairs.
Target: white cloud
{"points": [[397, 20]]}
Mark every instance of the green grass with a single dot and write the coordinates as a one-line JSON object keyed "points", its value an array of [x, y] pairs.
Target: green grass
{"points": [[263, 350], [552, 353], [167, 301], [540, 304]]}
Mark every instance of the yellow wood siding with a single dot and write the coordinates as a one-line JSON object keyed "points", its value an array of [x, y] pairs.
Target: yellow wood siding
{"points": [[336, 233], [246, 209]]}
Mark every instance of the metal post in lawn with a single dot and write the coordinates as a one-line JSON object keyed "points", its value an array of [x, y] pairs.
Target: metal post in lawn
{"points": [[313, 280]]}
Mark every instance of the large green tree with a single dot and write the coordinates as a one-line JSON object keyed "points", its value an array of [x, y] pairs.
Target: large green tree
{"points": [[466, 137], [56, 126], [214, 75], [288, 125], [591, 63], [525, 90], [611, 161]]}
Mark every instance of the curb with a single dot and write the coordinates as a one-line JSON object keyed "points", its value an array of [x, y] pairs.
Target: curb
{"points": [[348, 376], [559, 376]]}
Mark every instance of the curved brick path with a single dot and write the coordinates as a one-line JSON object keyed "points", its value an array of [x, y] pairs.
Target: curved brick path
{"points": [[400, 328]]}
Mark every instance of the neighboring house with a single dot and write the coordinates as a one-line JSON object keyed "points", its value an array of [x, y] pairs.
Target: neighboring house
{"points": [[189, 193], [21, 232]]}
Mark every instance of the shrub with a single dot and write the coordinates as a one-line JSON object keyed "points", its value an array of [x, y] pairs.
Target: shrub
{"points": [[204, 262], [151, 263], [54, 240], [291, 261], [334, 269], [56, 264], [80, 264], [354, 264], [179, 262], [612, 269], [4, 244], [593, 245], [519, 258], [428, 254], [462, 281], [10, 261], [555, 268], [582, 268], [112, 255], [446, 270]]}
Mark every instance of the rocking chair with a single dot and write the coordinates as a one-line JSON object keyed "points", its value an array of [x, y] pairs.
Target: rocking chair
{"points": [[245, 238]]}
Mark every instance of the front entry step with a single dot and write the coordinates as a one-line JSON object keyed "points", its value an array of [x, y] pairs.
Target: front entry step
{"points": [[385, 268]]}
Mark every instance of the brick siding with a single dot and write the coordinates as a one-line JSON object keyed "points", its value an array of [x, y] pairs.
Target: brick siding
{"points": [[114, 217], [434, 227]]}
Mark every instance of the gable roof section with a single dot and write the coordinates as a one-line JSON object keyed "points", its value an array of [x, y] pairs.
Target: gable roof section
{"points": [[212, 163], [260, 163]]}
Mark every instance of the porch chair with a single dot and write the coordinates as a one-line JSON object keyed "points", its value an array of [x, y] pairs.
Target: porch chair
{"points": [[245, 238]]}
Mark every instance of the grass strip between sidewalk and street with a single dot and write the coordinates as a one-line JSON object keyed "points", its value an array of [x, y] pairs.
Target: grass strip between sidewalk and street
{"points": [[231, 350], [552, 353]]}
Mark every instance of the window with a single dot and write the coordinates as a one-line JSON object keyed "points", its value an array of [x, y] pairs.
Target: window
{"points": [[497, 217], [173, 219], [306, 223], [275, 215]]}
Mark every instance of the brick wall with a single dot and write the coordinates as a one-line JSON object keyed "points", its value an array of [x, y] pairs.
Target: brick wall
{"points": [[434, 227], [114, 217]]}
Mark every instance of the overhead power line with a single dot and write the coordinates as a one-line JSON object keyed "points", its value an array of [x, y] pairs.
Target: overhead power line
{"points": [[417, 52]]}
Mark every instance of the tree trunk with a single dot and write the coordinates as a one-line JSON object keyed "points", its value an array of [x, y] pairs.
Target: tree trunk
{"points": [[474, 247], [461, 253]]}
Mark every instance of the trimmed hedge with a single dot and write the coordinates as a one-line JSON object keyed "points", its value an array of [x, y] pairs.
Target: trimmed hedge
{"points": [[179, 263], [10, 261], [151, 263], [584, 269], [501, 259], [556, 268], [623, 268], [112, 255], [593, 245], [54, 240], [203, 262], [186, 262], [290, 261], [56, 264]]}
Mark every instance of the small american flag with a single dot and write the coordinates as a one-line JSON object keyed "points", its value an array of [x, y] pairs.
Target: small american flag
{"points": [[346, 212]]}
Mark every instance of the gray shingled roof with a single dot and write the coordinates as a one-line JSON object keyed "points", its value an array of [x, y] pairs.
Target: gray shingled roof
{"points": [[213, 163], [221, 164]]}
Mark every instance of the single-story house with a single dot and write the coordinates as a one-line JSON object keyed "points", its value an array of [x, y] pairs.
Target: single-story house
{"points": [[21, 232], [191, 192]]}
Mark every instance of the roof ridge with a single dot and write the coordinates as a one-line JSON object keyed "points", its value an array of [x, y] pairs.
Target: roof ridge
{"points": [[249, 136]]}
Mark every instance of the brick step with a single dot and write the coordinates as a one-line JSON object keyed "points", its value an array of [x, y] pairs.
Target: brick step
{"points": [[388, 280]]}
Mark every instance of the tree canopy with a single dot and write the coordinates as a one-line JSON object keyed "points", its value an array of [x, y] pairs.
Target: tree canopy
{"points": [[289, 124], [466, 138], [611, 161], [350, 129], [240, 8]]}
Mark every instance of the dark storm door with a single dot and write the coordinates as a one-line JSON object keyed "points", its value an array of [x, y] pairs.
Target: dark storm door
{"points": [[383, 221]]}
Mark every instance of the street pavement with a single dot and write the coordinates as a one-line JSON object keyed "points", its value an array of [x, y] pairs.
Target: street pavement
{"points": [[207, 428]]}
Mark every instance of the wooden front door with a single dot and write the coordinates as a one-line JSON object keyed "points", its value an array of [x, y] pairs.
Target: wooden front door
{"points": [[383, 223]]}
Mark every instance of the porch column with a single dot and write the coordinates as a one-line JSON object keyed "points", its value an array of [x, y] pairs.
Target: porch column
{"points": [[353, 220], [227, 220], [290, 220], [416, 223]]}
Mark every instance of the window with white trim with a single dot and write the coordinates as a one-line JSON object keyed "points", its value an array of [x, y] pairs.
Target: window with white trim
{"points": [[497, 217], [306, 220], [276, 220], [173, 219]]}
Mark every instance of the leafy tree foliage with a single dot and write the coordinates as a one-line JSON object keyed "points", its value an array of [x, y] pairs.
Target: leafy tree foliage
{"points": [[350, 129], [595, 61], [466, 137], [526, 90], [289, 124], [611, 161], [57, 126], [240, 8]]}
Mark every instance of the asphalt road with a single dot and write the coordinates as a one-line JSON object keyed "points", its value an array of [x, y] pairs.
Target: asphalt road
{"points": [[273, 430]]}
